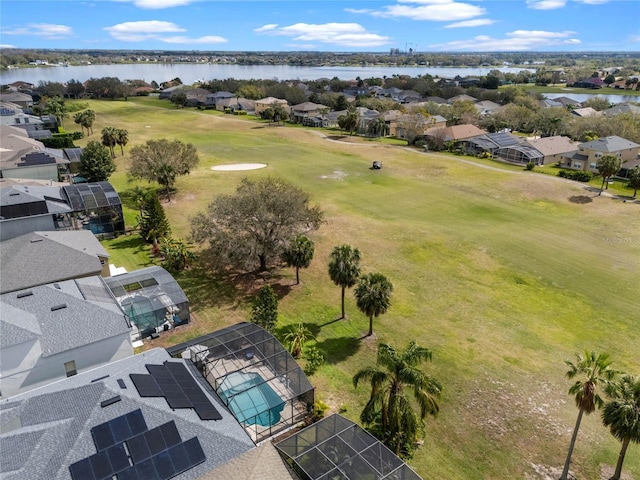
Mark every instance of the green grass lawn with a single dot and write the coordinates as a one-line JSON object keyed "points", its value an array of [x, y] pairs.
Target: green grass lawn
{"points": [[501, 272]]}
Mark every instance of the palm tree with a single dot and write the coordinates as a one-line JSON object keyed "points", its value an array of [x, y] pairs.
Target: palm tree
{"points": [[109, 138], [592, 371], [607, 167], [122, 138], [373, 296], [344, 268], [296, 337], [299, 254], [389, 405], [622, 415]]}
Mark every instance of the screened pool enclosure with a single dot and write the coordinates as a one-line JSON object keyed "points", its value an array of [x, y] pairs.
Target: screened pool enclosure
{"points": [[95, 207], [337, 449], [151, 298], [254, 375]]}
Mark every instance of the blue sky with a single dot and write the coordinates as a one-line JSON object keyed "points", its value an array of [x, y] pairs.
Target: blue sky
{"points": [[325, 25]]}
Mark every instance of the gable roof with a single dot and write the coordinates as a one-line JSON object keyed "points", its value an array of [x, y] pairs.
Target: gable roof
{"points": [[458, 132], [621, 108], [39, 258], [307, 107], [552, 145], [462, 98], [50, 428], [270, 101], [585, 112], [60, 316], [609, 144]]}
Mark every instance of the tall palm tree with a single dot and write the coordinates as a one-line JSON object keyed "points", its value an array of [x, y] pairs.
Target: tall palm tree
{"points": [[622, 415], [373, 296], [344, 268], [122, 138], [110, 138], [299, 254], [608, 166], [396, 377], [592, 371]]}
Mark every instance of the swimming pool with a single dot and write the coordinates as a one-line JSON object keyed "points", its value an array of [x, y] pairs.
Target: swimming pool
{"points": [[251, 399]]}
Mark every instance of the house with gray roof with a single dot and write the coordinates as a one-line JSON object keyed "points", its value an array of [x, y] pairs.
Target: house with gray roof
{"points": [[489, 143], [621, 108], [589, 153], [54, 331], [30, 208], [297, 113], [487, 107], [103, 424], [25, 157], [38, 258], [552, 148], [268, 102], [19, 98]]}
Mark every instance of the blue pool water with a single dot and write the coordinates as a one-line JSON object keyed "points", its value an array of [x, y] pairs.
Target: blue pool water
{"points": [[251, 400]]}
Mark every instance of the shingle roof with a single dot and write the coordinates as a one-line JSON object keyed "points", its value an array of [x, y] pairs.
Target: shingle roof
{"points": [[552, 145], [65, 320], [38, 258], [609, 144], [49, 428]]}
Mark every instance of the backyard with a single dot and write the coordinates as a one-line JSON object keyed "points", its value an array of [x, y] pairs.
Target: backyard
{"points": [[504, 274]]}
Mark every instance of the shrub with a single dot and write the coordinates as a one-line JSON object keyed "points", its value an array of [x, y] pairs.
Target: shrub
{"points": [[59, 141], [318, 410], [530, 166], [315, 360], [577, 175]]}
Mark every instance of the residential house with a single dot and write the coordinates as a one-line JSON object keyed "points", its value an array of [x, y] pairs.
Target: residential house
{"points": [[438, 100], [621, 108], [22, 99], [437, 137], [585, 112], [627, 167], [268, 102], [38, 258], [593, 83], [391, 119], [115, 421], [304, 110], [489, 143], [462, 98], [568, 102], [24, 157], [89, 206], [233, 104], [407, 123], [550, 103], [552, 148], [589, 153], [54, 331], [487, 107]]}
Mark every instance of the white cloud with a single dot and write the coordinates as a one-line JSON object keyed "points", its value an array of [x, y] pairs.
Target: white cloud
{"points": [[48, 30], [546, 4], [518, 40], [341, 34], [154, 30], [7, 46], [159, 4], [208, 39], [593, 2], [358, 10], [266, 28], [471, 23], [433, 10], [634, 38]]}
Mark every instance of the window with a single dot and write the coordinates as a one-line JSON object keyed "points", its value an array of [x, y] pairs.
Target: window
{"points": [[577, 165], [70, 368], [598, 154], [593, 166]]}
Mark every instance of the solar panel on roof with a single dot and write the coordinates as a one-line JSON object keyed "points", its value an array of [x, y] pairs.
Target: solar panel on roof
{"points": [[82, 470], [118, 458], [101, 466], [155, 441], [121, 383], [170, 434], [194, 451], [179, 458], [138, 448], [164, 465], [146, 470], [145, 384], [102, 436]]}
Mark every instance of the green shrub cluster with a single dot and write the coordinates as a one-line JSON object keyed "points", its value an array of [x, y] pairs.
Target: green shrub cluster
{"points": [[578, 175], [62, 140], [314, 360]]}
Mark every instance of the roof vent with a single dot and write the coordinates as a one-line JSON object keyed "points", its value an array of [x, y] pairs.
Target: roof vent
{"points": [[110, 401], [24, 294], [36, 240], [57, 285], [14, 194], [58, 307]]}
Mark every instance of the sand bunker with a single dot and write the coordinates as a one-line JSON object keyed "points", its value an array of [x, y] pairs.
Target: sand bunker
{"points": [[238, 166]]}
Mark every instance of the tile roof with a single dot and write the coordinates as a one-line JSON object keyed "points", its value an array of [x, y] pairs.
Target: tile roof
{"points": [[49, 428], [39, 258], [60, 317]]}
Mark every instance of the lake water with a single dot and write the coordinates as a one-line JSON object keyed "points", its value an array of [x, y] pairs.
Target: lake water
{"points": [[190, 73]]}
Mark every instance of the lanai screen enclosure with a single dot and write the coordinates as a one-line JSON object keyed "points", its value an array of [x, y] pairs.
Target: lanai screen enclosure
{"points": [[254, 375]]}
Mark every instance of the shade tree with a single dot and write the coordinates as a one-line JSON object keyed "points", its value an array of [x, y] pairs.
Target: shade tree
{"points": [[253, 226], [608, 166], [96, 163], [162, 161]]}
